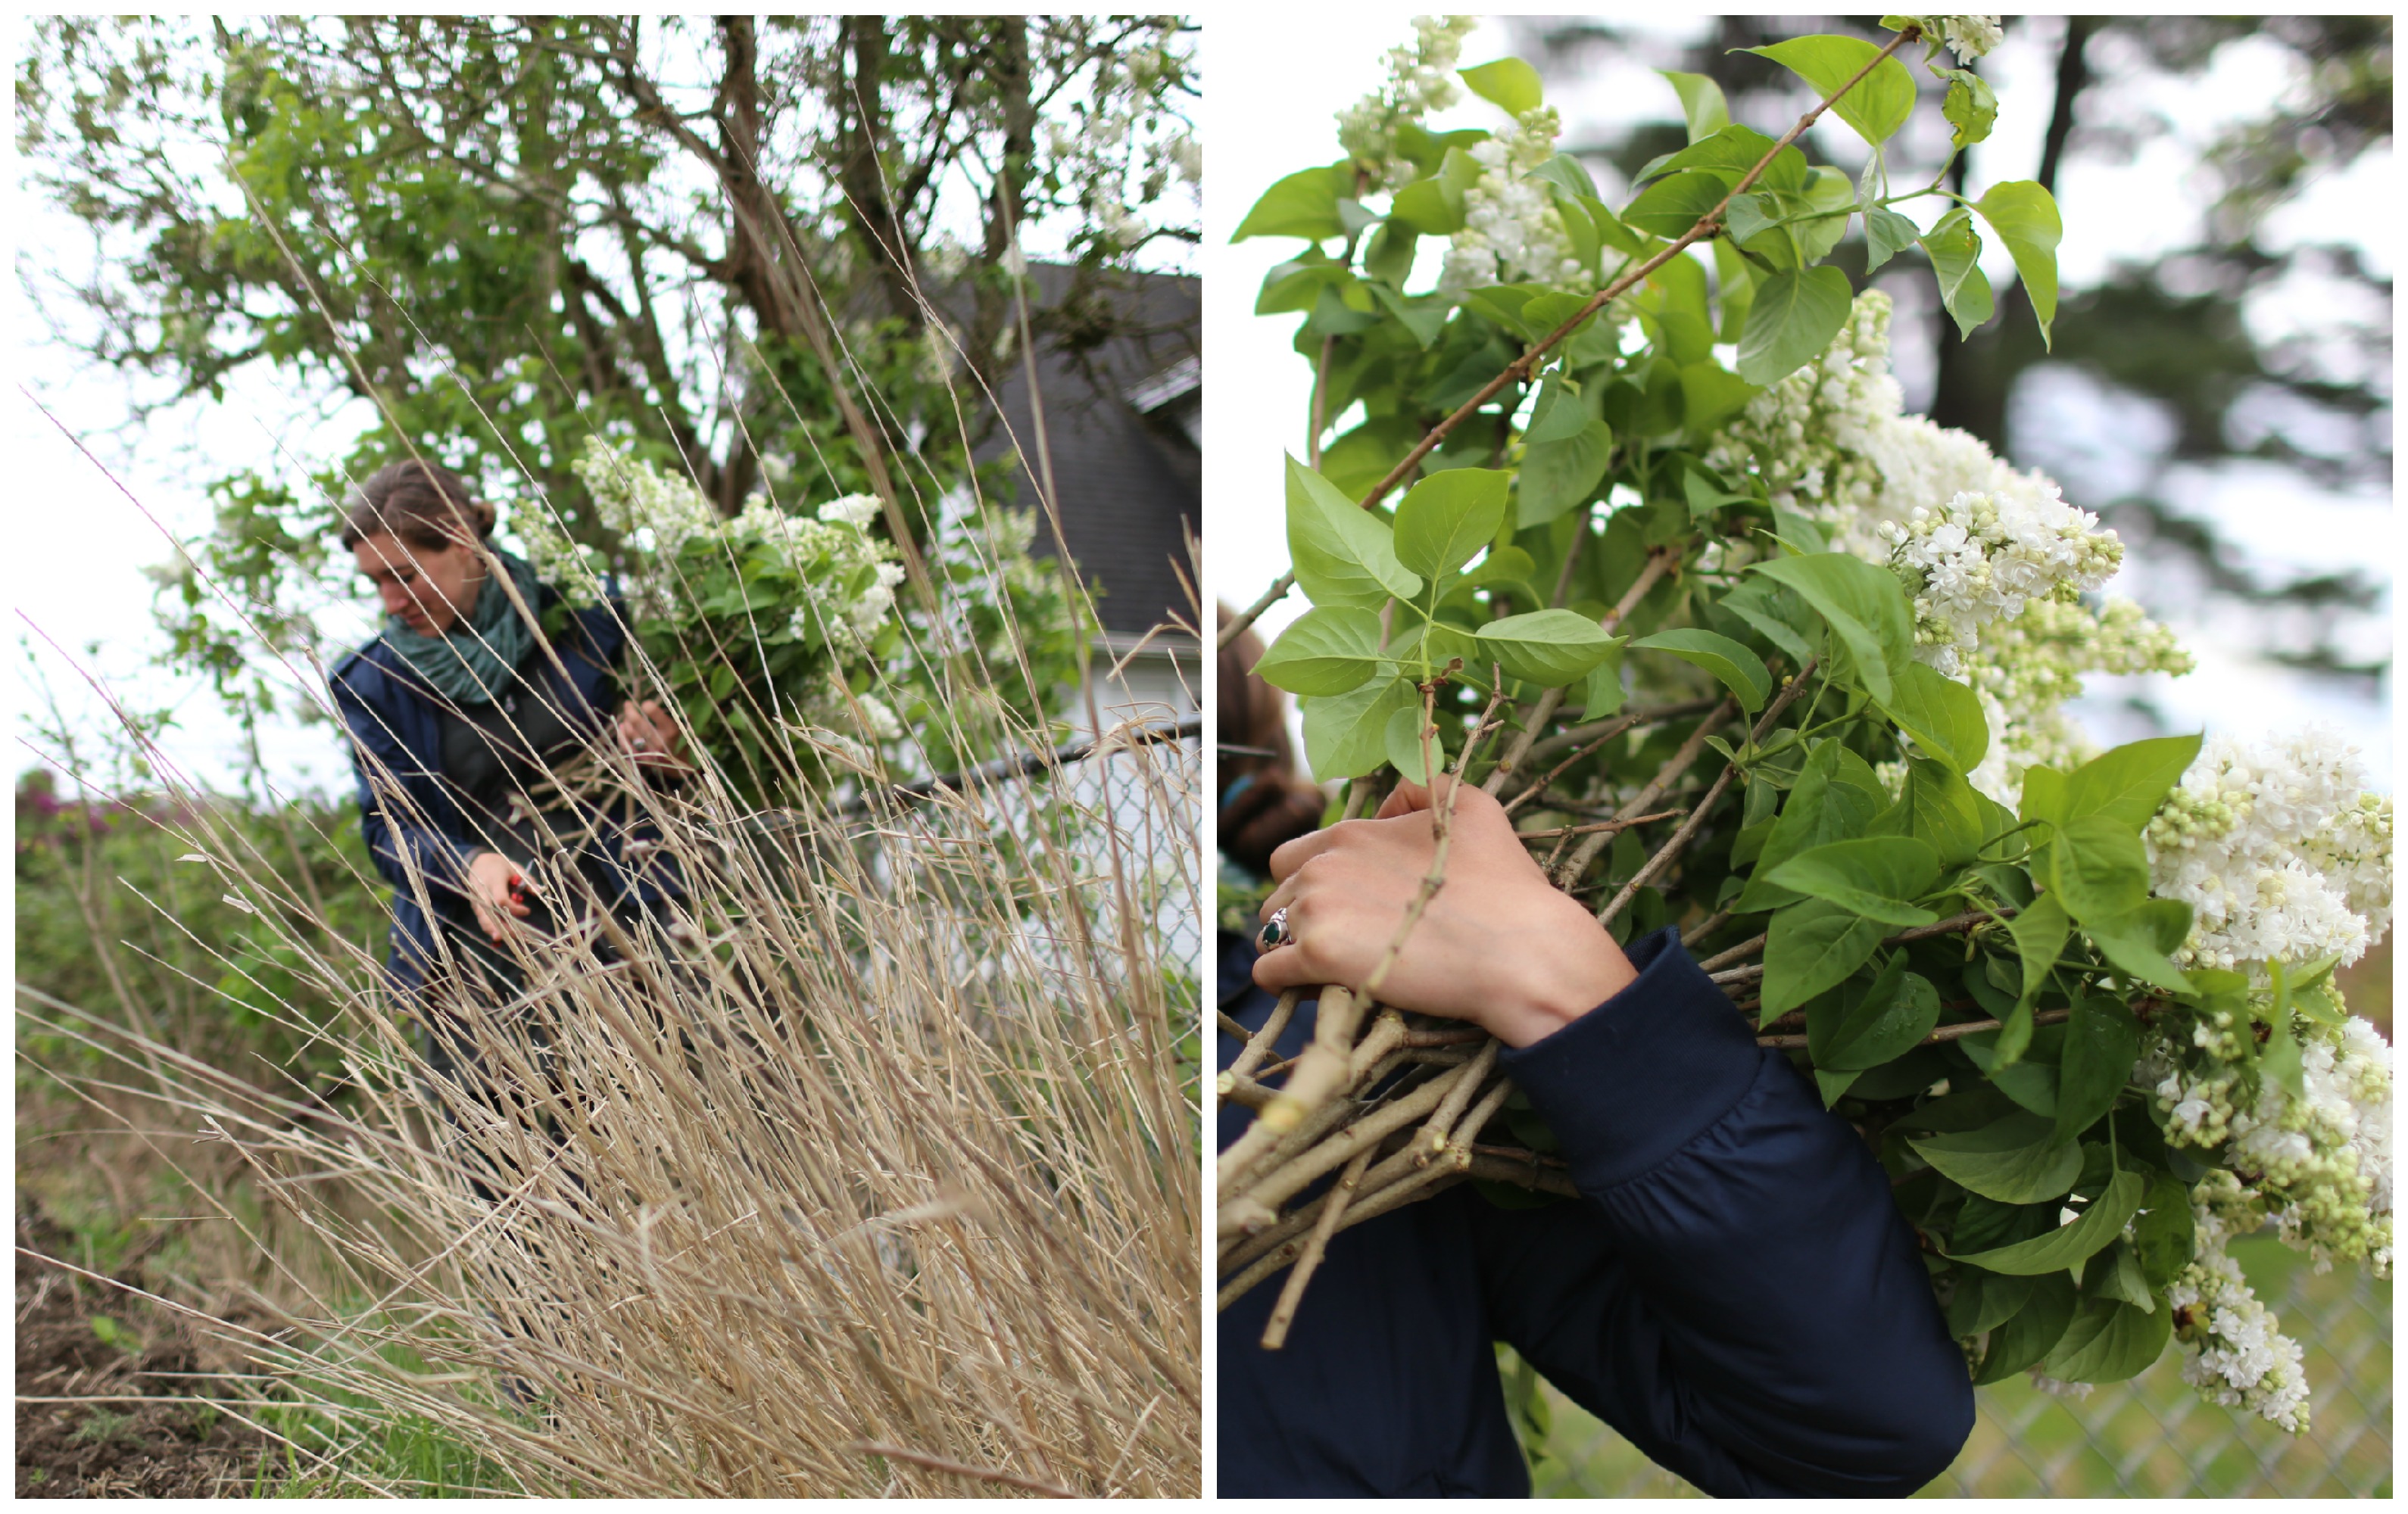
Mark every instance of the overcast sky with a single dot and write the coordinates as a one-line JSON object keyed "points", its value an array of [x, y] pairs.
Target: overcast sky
{"points": [[1273, 115]]}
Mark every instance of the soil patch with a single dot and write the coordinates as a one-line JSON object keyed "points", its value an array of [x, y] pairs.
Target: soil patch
{"points": [[143, 1424]]}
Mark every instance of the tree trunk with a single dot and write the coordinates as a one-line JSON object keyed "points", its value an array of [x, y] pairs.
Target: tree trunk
{"points": [[1007, 66], [862, 170]]}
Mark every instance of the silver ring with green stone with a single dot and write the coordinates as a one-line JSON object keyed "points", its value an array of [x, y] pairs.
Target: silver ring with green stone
{"points": [[1275, 932]]}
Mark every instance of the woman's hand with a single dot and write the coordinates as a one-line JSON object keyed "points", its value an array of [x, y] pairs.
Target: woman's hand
{"points": [[1499, 945], [647, 734], [495, 885]]}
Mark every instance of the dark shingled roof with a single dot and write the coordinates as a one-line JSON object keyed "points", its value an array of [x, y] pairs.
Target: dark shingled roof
{"points": [[1123, 417]]}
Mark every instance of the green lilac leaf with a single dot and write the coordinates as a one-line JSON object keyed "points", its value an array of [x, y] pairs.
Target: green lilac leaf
{"points": [[1446, 518], [2117, 1276], [1873, 875], [1343, 554], [1985, 1301], [1507, 82], [2091, 1232], [1328, 650], [1820, 810], [2035, 1328], [1671, 205], [1889, 1018], [1559, 475], [1864, 605], [1983, 1224], [2097, 868], [1943, 811], [2025, 218], [1710, 395], [2107, 1341], [2014, 1161], [1956, 250], [1345, 734], [1886, 234], [1737, 669], [2143, 940], [1423, 315], [1296, 285], [1775, 613], [2103, 1041], [1729, 154], [1402, 742], [1556, 414], [1504, 568], [1550, 648], [2165, 1235], [1812, 946], [1971, 106], [1702, 107], [2039, 932], [1432, 206], [1604, 689], [1796, 314], [1943, 716], [1876, 106], [1301, 205], [2128, 783], [1564, 172], [1832, 1084], [1389, 256], [1827, 190]]}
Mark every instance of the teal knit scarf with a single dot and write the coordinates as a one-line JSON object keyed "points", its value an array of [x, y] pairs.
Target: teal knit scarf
{"points": [[472, 663]]}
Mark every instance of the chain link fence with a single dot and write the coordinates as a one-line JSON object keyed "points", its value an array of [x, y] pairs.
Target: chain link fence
{"points": [[2150, 1437]]}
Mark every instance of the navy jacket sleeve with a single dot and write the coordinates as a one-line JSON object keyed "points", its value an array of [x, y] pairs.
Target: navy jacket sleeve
{"points": [[399, 833], [1736, 1291]]}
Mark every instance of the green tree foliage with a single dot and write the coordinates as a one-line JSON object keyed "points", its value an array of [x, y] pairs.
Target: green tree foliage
{"points": [[715, 242]]}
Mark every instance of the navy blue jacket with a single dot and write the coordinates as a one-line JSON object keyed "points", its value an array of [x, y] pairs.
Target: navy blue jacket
{"points": [[407, 814], [1735, 1291]]}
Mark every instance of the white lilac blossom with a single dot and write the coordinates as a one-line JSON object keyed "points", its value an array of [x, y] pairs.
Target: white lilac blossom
{"points": [[1981, 557], [2315, 1164], [878, 718], [1829, 443], [2057, 1388], [1816, 439], [1967, 37], [2238, 1358], [656, 514], [2024, 669], [1110, 151], [2279, 849], [1512, 232], [856, 510], [1421, 78]]}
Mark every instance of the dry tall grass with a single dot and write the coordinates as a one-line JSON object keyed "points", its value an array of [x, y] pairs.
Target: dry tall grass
{"points": [[874, 1174]]}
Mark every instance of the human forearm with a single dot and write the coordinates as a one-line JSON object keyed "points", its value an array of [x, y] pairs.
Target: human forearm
{"points": [[1760, 1310]]}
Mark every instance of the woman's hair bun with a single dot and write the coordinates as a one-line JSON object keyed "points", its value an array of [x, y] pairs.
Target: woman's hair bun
{"points": [[424, 503]]}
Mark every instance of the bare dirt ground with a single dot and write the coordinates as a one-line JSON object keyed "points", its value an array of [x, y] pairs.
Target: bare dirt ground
{"points": [[88, 1357]]}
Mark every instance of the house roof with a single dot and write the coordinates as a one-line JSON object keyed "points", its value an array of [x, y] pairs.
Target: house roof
{"points": [[1121, 370]]}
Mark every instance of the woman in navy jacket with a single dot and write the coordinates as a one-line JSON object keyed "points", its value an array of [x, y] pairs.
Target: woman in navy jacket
{"points": [[458, 712], [1734, 1290]]}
